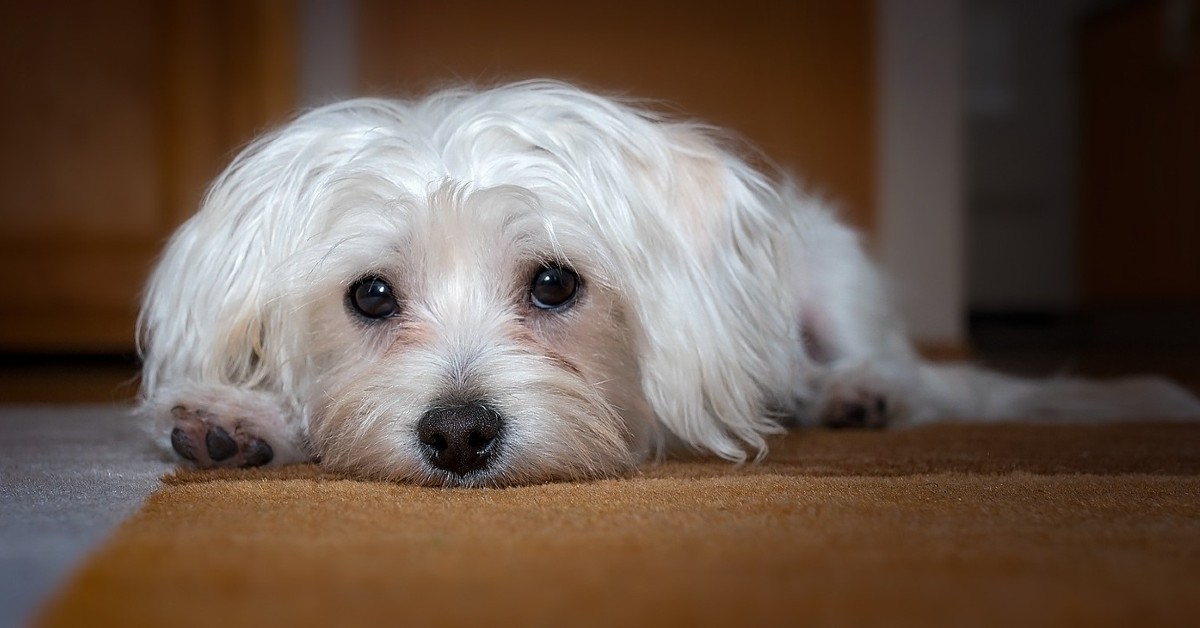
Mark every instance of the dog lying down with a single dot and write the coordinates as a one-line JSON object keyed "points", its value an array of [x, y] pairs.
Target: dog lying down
{"points": [[534, 283]]}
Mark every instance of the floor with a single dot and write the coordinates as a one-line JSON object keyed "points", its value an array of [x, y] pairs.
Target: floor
{"points": [[73, 463], [68, 475]]}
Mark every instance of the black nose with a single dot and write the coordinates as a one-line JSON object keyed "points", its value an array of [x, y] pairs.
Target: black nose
{"points": [[460, 438]]}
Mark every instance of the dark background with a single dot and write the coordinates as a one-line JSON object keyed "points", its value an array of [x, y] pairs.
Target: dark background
{"points": [[1073, 127]]}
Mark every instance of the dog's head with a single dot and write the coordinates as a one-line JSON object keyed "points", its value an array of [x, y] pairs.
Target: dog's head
{"points": [[480, 288]]}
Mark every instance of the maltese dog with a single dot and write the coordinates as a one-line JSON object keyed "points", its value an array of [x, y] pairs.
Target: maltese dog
{"points": [[533, 283]]}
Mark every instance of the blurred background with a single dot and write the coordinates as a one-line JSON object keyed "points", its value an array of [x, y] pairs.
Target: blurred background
{"points": [[1026, 171]]}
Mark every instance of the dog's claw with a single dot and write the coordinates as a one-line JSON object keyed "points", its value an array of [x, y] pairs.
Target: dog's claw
{"points": [[182, 444], [219, 443], [258, 453]]}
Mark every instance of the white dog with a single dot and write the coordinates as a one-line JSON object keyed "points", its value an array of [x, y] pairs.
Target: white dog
{"points": [[532, 283]]}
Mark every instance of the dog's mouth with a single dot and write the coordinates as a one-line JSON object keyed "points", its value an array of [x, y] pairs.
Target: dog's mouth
{"points": [[504, 465], [482, 478]]}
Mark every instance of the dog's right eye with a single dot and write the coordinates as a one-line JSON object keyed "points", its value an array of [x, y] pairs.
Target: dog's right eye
{"points": [[373, 298]]}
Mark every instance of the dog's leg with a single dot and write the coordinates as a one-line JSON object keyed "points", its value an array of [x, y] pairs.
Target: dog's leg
{"points": [[866, 389], [227, 427], [860, 370], [858, 367], [857, 397]]}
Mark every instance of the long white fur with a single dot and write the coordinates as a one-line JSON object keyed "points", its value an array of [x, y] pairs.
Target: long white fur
{"points": [[719, 297]]}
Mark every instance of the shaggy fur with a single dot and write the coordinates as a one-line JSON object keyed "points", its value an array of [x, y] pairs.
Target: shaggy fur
{"points": [[711, 301]]}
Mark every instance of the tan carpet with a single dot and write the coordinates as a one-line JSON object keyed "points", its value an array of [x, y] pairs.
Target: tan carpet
{"points": [[950, 525]]}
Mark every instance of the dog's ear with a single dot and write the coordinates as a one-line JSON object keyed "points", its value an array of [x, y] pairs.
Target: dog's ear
{"points": [[202, 313], [695, 240], [710, 283], [210, 315]]}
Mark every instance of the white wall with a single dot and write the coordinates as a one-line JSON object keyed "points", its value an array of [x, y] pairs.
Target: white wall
{"points": [[328, 61], [920, 163]]}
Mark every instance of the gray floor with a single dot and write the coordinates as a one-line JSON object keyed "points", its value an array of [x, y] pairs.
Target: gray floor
{"points": [[68, 476]]}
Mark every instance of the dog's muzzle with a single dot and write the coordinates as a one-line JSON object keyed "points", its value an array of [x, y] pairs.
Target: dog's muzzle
{"points": [[460, 438]]}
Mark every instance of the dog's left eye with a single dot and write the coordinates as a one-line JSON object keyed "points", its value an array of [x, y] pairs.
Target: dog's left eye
{"points": [[373, 298], [553, 288]]}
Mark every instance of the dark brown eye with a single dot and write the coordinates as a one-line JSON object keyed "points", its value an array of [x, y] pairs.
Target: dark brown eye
{"points": [[372, 297], [553, 288]]}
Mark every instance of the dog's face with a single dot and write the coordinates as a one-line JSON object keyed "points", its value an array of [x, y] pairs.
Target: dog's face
{"points": [[469, 336]]}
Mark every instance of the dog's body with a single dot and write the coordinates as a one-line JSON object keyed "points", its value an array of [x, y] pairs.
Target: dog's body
{"points": [[532, 283]]}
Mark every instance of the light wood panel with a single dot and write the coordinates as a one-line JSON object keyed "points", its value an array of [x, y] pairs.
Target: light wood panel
{"points": [[795, 78]]}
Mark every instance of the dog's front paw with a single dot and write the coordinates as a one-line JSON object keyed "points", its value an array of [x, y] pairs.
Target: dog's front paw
{"points": [[859, 409], [211, 441], [860, 398]]}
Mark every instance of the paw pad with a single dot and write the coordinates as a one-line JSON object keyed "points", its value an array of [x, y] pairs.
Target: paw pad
{"points": [[210, 441]]}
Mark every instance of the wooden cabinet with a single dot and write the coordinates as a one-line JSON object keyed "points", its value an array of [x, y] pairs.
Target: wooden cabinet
{"points": [[114, 116]]}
